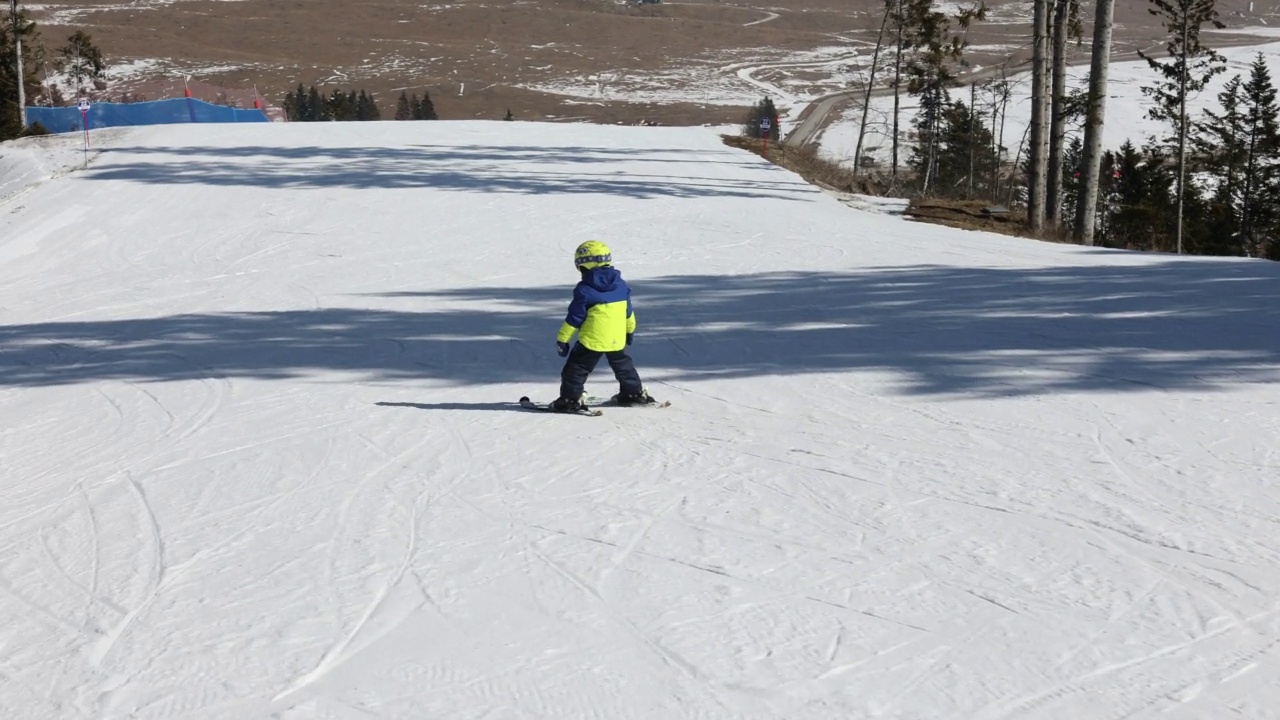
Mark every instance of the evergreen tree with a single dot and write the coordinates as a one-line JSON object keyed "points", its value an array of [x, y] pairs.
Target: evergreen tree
{"points": [[313, 109], [403, 111], [331, 106], [10, 115], [1189, 67], [928, 124], [366, 107], [1260, 209], [1137, 199], [294, 101], [1242, 147], [1072, 180], [308, 105], [1221, 142], [934, 48], [759, 111], [964, 154], [422, 109], [81, 60], [428, 109]]}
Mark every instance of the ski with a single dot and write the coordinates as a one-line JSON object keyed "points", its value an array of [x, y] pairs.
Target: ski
{"points": [[528, 404], [612, 402]]}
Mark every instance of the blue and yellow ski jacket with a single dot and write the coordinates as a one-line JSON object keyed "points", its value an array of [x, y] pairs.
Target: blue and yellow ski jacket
{"points": [[600, 311]]}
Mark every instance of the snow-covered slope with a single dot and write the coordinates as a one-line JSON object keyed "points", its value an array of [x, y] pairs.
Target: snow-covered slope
{"points": [[260, 459]]}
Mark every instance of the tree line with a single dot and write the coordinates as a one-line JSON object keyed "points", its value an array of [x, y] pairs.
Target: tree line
{"points": [[1207, 183], [311, 105]]}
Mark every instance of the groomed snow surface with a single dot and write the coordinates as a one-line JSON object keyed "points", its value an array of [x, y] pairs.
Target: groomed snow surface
{"points": [[260, 457]]}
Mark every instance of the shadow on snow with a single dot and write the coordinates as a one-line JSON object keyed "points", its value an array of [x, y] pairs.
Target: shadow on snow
{"points": [[978, 332], [522, 170]]}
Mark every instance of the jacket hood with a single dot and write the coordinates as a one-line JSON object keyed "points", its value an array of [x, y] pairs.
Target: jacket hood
{"points": [[604, 278]]}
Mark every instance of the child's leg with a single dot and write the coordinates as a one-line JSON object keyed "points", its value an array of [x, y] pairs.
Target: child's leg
{"points": [[625, 371], [573, 378]]}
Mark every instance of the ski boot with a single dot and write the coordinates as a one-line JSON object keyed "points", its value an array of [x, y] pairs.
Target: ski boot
{"points": [[639, 398], [567, 405]]}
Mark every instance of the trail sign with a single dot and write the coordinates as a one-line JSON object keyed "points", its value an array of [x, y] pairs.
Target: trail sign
{"points": [[84, 117]]}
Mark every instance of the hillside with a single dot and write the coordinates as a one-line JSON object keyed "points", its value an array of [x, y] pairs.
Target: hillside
{"points": [[684, 63], [261, 459]]}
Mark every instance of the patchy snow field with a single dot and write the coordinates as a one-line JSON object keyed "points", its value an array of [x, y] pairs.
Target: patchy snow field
{"points": [[261, 458], [1126, 105]]}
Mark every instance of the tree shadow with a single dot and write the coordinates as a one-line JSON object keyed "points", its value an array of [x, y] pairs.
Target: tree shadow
{"points": [[520, 170], [982, 332]]}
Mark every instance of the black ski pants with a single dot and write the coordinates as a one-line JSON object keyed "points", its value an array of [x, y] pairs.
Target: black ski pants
{"points": [[583, 360]]}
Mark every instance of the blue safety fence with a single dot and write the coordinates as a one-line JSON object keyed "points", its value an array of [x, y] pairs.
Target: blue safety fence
{"points": [[157, 112]]}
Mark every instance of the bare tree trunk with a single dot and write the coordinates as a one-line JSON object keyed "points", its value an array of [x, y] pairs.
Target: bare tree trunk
{"points": [[1003, 109], [1247, 199], [897, 90], [1182, 126], [17, 44], [1087, 205], [1058, 126], [1017, 161], [866, 97], [973, 116], [1037, 153]]}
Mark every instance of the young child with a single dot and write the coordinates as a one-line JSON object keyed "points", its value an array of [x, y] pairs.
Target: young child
{"points": [[601, 314]]}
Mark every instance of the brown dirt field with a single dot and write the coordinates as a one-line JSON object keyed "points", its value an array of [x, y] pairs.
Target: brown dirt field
{"points": [[478, 57]]}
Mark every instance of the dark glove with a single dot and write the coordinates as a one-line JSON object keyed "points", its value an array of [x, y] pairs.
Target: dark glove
{"points": [[562, 348], [629, 336]]}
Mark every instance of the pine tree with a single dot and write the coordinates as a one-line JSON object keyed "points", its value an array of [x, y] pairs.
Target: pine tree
{"points": [[1241, 145], [295, 104], [81, 60], [366, 108], [929, 123], [1189, 67], [929, 69], [11, 110], [963, 155], [1260, 210], [1221, 141], [1141, 199], [313, 109], [1072, 180], [428, 108], [403, 110]]}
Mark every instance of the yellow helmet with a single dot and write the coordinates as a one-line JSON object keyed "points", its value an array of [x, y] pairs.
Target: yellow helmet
{"points": [[591, 255]]}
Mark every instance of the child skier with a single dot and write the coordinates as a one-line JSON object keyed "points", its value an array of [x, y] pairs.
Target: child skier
{"points": [[601, 314]]}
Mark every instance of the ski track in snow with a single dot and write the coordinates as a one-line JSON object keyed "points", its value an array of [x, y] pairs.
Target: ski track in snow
{"points": [[260, 457]]}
